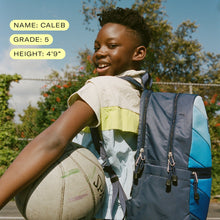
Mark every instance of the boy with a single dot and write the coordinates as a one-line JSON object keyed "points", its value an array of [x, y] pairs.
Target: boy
{"points": [[107, 101]]}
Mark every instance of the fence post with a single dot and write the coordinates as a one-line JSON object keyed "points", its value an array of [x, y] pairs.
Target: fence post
{"points": [[190, 89]]}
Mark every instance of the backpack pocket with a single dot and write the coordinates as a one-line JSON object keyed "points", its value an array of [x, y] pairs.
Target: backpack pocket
{"points": [[150, 199]]}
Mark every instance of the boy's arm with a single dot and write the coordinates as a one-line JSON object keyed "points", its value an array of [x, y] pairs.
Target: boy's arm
{"points": [[40, 153]]}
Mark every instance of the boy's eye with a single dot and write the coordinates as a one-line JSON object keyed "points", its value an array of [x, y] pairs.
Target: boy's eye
{"points": [[112, 46], [96, 48]]}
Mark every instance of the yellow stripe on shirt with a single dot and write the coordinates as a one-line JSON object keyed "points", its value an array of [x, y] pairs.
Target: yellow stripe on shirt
{"points": [[117, 118]]}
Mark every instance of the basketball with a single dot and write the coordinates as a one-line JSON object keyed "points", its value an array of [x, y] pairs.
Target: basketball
{"points": [[72, 188]]}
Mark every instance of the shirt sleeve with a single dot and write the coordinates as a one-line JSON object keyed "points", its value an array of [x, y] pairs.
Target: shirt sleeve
{"points": [[90, 95]]}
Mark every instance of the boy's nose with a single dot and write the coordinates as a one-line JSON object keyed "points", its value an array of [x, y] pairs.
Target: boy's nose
{"points": [[102, 51]]}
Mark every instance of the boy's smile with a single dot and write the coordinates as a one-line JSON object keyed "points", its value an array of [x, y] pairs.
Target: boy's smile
{"points": [[115, 46]]}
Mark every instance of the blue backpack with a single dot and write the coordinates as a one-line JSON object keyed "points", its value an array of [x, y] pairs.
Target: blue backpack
{"points": [[172, 177]]}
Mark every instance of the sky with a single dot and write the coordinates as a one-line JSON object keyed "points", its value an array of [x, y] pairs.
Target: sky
{"points": [[206, 14]]}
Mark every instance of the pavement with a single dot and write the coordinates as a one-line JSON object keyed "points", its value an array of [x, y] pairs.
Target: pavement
{"points": [[10, 212]]}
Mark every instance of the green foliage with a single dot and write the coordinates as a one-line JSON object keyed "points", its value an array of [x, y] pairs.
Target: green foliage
{"points": [[24, 130], [212, 106], [172, 55], [55, 94], [28, 121], [6, 158], [215, 168], [91, 8], [8, 138]]}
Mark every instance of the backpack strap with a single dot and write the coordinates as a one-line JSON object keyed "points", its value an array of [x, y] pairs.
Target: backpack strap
{"points": [[116, 185], [133, 82], [145, 90], [146, 81]]}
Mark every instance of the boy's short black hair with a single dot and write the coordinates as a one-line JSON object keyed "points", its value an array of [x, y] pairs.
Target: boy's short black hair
{"points": [[129, 18]]}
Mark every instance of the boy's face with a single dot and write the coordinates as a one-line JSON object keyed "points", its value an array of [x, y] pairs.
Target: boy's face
{"points": [[114, 49]]}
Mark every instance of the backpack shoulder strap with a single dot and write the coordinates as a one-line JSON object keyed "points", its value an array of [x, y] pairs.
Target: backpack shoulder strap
{"points": [[146, 82], [116, 185], [133, 82], [145, 90]]}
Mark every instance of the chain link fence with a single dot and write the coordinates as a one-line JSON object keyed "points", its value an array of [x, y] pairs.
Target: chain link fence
{"points": [[205, 90]]}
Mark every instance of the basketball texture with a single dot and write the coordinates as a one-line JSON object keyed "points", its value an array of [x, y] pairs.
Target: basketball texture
{"points": [[72, 188]]}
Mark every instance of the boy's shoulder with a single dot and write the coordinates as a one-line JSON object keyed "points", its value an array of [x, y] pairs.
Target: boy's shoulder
{"points": [[107, 81], [103, 78], [136, 74]]}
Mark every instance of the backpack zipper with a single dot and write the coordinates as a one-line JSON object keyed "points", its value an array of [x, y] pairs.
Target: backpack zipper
{"points": [[195, 186], [170, 158], [199, 173]]}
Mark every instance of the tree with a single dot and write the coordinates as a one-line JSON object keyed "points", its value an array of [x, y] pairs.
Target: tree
{"points": [[212, 106], [25, 130], [8, 138], [55, 94], [172, 55]]}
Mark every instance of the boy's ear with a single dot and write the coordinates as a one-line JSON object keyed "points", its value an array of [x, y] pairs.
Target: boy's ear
{"points": [[139, 53]]}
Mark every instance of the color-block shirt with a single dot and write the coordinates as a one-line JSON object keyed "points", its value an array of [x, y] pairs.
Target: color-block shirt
{"points": [[116, 105]]}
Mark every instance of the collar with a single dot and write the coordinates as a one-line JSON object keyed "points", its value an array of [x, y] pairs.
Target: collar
{"points": [[132, 73]]}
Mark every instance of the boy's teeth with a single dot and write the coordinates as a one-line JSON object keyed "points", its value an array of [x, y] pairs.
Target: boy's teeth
{"points": [[102, 65]]}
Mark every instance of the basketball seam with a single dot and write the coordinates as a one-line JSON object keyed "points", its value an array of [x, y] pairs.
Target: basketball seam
{"points": [[99, 165], [87, 180]]}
